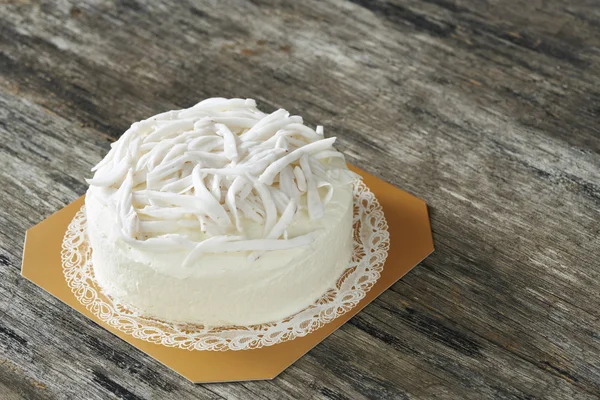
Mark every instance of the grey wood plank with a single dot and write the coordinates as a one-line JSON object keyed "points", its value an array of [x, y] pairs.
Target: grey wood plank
{"points": [[487, 110]]}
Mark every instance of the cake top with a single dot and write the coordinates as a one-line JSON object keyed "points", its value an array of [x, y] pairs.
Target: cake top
{"points": [[189, 179]]}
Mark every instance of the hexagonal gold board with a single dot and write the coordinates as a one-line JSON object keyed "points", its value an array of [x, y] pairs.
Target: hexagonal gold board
{"points": [[411, 242]]}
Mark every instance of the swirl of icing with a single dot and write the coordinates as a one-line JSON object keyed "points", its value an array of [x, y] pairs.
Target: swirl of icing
{"points": [[209, 168]]}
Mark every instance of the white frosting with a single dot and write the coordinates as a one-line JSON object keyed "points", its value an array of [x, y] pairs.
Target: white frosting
{"points": [[220, 214]]}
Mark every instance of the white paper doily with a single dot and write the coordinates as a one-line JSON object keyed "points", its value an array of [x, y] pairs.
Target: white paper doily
{"points": [[371, 244]]}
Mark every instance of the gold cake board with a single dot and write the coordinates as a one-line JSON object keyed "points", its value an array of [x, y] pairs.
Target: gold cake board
{"points": [[410, 243]]}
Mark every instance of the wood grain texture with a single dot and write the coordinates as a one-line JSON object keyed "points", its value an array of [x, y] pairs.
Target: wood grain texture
{"points": [[487, 109]]}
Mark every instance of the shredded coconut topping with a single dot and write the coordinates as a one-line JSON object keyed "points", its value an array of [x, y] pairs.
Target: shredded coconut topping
{"points": [[212, 166]]}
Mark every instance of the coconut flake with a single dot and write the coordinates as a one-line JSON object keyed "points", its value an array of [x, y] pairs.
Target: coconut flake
{"points": [[284, 222], [287, 185], [229, 141], [168, 130], [206, 143], [270, 128], [178, 186], [214, 209], [268, 205], [313, 201], [105, 178], [236, 122], [328, 154], [328, 187], [250, 212], [230, 199], [254, 132], [281, 143], [273, 169], [221, 244], [207, 245], [316, 167], [300, 179], [215, 187]]}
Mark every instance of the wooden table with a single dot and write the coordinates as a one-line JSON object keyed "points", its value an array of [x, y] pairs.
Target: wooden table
{"points": [[488, 110]]}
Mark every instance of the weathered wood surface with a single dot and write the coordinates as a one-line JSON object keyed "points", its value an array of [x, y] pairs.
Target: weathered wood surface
{"points": [[488, 110]]}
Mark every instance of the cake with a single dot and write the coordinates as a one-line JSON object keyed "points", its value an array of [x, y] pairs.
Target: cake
{"points": [[220, 215]]}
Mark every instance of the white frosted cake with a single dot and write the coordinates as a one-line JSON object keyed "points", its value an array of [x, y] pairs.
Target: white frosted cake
{"points": [[220, 214]]}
